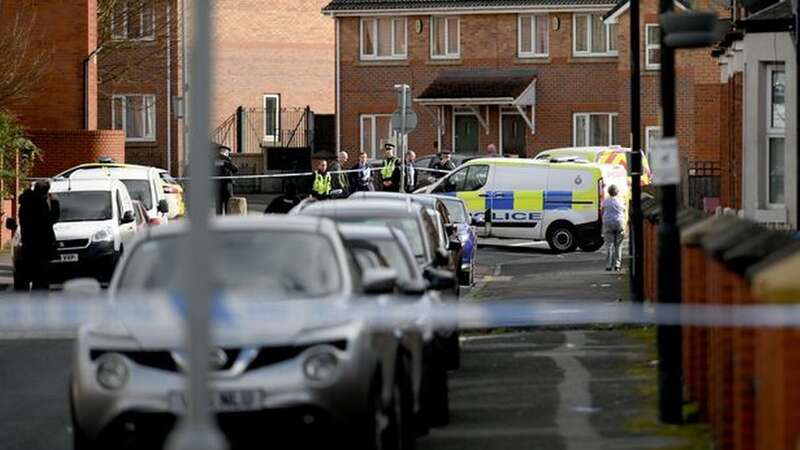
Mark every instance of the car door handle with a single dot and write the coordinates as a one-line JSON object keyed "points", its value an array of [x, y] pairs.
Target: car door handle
{"points": [[499, 195]]}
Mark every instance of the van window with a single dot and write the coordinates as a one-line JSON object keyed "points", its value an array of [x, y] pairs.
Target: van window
{"points": [[80, 206], [476, 178], [120, 207], [470, 178], [140, 190]]}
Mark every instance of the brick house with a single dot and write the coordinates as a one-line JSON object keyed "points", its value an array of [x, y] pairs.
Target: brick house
{"points": [[574, 54], [140, 71]]}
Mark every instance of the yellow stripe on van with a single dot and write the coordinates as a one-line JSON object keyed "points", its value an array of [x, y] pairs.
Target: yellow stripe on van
{"points": [[589, 195], [528, 201], [473, 201]]}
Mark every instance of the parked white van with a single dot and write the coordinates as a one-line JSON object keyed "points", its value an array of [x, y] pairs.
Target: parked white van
{"points": [[535, 199]]}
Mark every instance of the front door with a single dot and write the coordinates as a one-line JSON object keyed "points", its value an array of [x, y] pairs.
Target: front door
{"points": [[466, 135], [514, 128]]}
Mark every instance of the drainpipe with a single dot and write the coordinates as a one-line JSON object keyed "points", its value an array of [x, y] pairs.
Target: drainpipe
{"points": [[86, 63], [169, 88]]}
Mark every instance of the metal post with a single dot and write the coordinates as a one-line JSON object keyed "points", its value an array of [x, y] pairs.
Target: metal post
{"points": [[636, 238], [796, 34], [670, 398], [197, 431], [403, 111], [240, 129]]}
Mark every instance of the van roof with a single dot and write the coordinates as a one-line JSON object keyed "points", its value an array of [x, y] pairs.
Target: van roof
{"points": [[535, 162], [82, 185], [126, 172]]}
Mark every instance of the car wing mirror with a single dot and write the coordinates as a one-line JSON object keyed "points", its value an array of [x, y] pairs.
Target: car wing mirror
{"points": [[439, 280], [11, 224], [82, 286], [127, 217], [163, 206], [379, 281]]}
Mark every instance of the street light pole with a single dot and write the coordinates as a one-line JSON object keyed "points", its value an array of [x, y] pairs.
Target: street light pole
{"points": [[670, 398], [636, 219]]}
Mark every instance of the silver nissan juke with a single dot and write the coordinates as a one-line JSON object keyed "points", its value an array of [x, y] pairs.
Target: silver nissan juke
{"points": [[329, 371]]}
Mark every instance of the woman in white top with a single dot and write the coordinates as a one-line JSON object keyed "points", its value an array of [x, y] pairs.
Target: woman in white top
{"points": [[614, 218]]}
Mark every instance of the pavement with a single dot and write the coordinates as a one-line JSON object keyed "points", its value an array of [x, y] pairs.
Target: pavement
{"points": [[570, 388]]}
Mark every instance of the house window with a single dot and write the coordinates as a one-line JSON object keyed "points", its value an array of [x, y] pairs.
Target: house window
{"points": [[593, 37], [272, 117], [383, 38], [533, 37], [376, 130], [651, 134], [133, 20], [652, 47], [445, 37], [594, 129], [776, 134], [136, 115]]}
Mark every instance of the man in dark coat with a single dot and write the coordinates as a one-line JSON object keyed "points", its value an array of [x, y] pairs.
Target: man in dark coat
{"points": [[341, 179], [224, 167], [361, 179], [38, 212]]}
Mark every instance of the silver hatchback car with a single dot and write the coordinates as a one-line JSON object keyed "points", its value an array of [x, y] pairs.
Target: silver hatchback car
{"points": [[334, 374]]}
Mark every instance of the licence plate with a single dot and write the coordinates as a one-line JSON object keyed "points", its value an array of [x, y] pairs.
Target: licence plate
{"points": [[223, 401], [68, 257]]}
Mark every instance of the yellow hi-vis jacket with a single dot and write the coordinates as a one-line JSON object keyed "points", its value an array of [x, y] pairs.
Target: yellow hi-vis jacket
{"points": [[388, 168], [322, 183]]}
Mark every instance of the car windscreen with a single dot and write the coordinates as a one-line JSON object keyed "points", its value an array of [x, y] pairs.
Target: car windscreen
{"points": [[409, 226], [83, 206], [456, 210], [140, 190], [269, 263]]}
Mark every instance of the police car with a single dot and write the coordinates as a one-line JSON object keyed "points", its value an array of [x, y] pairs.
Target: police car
{"points": [[552, 200]]}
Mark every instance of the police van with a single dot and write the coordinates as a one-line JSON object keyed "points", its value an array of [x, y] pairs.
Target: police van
{"points": [[557, 201]]}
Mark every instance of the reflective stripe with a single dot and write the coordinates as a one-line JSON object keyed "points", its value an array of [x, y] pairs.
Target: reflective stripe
{"points": [[388, 168], [322, 184], [473, 200], [529, 200]]}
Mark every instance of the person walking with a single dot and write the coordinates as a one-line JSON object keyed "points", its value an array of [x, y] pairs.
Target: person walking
{"points": [[411, 173], [38, 212], [614, 218], [444, 164], [322, 187], [361, 179], [390, 172], [224, 168], [284, 203], [340, 179]]}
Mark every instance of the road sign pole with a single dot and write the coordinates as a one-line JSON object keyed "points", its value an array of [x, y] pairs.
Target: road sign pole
{"points": [[636, 219], [402, 135]]}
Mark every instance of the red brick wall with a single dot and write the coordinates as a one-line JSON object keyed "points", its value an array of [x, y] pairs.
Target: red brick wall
{"points": [[730, 113], [58, 100], [63, 149], [281, 46]]}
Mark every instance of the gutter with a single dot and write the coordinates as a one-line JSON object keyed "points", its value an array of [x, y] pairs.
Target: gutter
{"points": [[466, 10]]}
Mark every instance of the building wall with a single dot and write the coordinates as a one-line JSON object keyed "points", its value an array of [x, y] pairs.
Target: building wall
{"points": [[565, 84], [63, 149], [281, 47]]}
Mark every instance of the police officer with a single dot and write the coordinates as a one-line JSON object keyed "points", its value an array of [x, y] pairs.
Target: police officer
{"points": [[444, 163], [321, 189], [224, 168], [390, 172]]}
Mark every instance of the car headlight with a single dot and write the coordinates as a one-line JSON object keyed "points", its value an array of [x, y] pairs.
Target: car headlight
{"points": [[112, 371], [320, 366], [104, 235]]}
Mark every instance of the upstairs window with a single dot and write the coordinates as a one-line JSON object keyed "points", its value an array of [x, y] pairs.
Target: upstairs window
{"points": [[445, 37], [133, 20], [593, 37], [652, 35], [533, 36], [595, 129], [383, 38], [775, 134], [136, 115]]}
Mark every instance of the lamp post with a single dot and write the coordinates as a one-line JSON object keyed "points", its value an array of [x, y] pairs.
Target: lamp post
{"points": [[636, 219]]}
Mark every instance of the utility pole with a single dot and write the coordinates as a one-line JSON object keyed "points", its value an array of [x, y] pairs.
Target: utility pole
{"points": [[670, 389], [636, 219]]}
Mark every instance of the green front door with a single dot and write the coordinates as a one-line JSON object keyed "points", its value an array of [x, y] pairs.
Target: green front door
{"points": [[467, 135]]}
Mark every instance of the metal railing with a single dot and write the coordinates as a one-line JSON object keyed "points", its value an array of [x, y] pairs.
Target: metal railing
{"points": [[251, 130]]}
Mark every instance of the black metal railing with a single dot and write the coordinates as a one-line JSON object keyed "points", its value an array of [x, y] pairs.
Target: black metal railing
{"points": [[251, 130]]}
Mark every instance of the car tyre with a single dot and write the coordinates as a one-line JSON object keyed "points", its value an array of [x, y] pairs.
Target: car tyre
{"points": [[404, 410], [380, 431], [562, 238]]}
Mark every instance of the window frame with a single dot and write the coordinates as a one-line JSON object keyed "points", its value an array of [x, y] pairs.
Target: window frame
{"points": [[373, 119], [588, 53], [267, 137], [533, 53], [447, 54], [648, 46], [647, 142], [125, 35], [374, 56], [152, 137], [770, 133], [612, 118]]}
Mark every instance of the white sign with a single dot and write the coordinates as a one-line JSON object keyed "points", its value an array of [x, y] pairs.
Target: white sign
{"points": [[665, 163]]}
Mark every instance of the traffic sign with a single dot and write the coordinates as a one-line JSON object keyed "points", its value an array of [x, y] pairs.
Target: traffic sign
{"points": [[411, 121]]}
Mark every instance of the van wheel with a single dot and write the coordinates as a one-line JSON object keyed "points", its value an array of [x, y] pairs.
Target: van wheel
{"points": [[561, 237]]}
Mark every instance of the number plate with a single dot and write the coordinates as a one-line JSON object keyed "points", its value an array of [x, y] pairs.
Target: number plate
{"points": [[68, 257], [223, 401]]}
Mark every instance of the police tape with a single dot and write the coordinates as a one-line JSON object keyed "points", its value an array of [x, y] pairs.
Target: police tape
{"points": [[306, 174], [249, 315]]}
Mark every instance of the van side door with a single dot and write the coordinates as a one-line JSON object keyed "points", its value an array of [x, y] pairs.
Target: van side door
{"points": [[517, 201], [470, 183]]}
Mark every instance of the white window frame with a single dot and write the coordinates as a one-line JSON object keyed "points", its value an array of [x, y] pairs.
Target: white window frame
{"points": [[647, 143], [588, 128], [152, 122], [648, 46], [448, 54], [267, 137], [124, 35], [773, 133], [532, 53], [373, 124], [588, 52], [374, 56]]}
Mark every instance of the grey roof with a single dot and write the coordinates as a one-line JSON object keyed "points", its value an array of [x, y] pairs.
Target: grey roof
{"points": [[772, 19], [479, 83], [369, 5]]}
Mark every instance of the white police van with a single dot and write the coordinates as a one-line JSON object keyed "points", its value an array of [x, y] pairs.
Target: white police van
{"points": [[557, 201]]}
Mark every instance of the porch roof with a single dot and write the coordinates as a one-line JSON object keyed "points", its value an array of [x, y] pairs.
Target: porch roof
{"points": [[481, 87]]}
